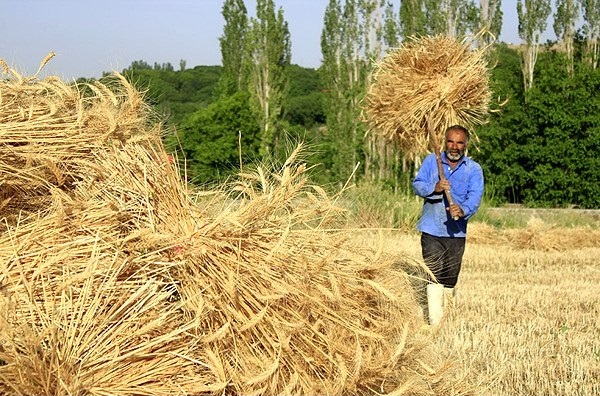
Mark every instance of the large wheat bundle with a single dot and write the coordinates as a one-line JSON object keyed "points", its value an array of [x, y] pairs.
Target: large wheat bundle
{"points": [[433, 78], [125, 283], [49, 131], [291, 308]]}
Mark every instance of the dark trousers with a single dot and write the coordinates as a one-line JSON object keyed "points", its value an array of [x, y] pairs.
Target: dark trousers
{"points": [[443, 256]]}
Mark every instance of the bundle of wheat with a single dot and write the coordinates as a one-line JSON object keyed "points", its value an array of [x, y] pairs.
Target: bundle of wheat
{"points": [[80, 316], [49, 130], [123, 284], [289, 307], [435, 76], [537, 235]]}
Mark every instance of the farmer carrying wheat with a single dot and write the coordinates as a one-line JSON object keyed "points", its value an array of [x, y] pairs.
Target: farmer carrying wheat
{"points": [[423, 97], [449, 201]]}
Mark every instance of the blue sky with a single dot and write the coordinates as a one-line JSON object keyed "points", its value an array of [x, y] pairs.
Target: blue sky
{"points": [[92, 36]]}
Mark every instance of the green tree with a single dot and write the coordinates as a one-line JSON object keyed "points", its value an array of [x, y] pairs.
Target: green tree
{"points": [[210, 138], [538, 149], [303, 105], [565, 18], [567, 114], [435, 17], [412, 18], [331, 75], [591, 28], [507, 132], [391, 26], [532, 15], [233, 76], [175, 93], [452, 18], [269, 48], [352, 37], [490, 20]]}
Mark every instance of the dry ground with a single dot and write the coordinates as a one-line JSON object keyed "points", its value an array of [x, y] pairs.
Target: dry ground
{"points": [[527, 321]]}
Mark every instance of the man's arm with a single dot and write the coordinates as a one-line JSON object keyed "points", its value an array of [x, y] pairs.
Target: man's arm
{"points": [[474, 193], [424, 184]]}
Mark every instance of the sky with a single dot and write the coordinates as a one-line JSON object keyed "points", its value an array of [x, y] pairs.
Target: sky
{"points": [[94, 36]]}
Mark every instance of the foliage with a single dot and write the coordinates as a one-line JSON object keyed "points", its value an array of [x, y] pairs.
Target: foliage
{"points": [[533, 15], [233, 78], [490, 17], [210, 138], [304, 103], [373, 205], [591, 29], [412, 18], [540, 148], [269, 57], [176, 93]]}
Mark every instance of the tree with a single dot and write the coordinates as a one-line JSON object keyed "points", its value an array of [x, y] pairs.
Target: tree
{"points": [[412, 18], [591, 28], [233, 77], [391, 26], [452, 18], [304, 104], [353, 37], [532, 15], [539, 148], [210, 138], [564, 168], [269, 48], [331, 74], [490, 20], [565, 18], [435, 17]]}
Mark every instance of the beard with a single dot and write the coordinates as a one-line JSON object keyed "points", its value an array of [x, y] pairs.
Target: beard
{"points": [[454, 155]]}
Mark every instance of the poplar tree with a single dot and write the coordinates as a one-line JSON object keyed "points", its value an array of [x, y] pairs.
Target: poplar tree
{"points": [[532, 15], [350, 69], [490, 20], [435, 17], [354, 36], [452, 18], [565, 18], [591, 28], [385, 153], [378, 27], [269, 49], [391, 26], [412, 18], [233, 76]]}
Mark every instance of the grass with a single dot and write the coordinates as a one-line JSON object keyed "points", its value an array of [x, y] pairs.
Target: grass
{"points": [[515, 216], [526, 322]]}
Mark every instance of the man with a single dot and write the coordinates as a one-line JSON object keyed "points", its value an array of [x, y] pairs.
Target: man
{"points": [[443, 225]]}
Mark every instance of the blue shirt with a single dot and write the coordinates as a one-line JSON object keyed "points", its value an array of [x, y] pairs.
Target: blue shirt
{"points": [[466, 188]]}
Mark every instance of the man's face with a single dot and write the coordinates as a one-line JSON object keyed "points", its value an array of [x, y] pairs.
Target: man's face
{"points": [[456, 142]]}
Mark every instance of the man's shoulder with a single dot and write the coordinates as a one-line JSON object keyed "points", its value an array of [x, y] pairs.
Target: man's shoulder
{"points": [[471, 162]]}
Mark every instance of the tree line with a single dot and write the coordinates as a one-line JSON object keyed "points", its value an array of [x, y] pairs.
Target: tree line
{"points": [[539, 147]]}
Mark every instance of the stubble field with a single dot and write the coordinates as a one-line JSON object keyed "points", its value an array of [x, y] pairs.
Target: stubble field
{"points": [[527, 314]]}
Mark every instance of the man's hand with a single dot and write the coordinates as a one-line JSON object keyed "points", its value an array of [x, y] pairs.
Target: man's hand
{"points": [[442, 185], [455, 211]]}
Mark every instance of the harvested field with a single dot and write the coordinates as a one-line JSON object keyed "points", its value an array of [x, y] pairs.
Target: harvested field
{"points": [[527, 320]]}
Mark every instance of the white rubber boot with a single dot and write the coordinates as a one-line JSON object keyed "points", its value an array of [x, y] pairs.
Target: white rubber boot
{"points": [[435, 303]]}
